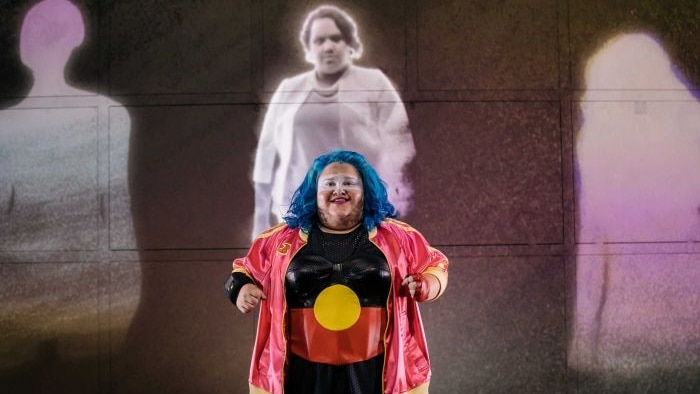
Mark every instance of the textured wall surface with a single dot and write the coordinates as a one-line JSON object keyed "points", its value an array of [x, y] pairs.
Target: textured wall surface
{"points": [[557, 174]]}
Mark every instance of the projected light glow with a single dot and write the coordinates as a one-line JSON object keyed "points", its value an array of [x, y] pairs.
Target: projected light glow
{"points": [[638, 155], [62, 189], [335, 106], [50, 32]]}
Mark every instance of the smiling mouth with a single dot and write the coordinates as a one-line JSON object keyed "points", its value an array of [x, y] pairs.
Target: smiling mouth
{"points": [[339, 200]]}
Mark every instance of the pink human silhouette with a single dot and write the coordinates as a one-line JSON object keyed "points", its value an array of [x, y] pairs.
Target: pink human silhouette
{"points": [[51, 31], [638, 155], [63, 187]]}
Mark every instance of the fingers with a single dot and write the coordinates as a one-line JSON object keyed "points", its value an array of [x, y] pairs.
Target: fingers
{"points": [[249, 297], [409, 285], [417, 287], [247, 303]]}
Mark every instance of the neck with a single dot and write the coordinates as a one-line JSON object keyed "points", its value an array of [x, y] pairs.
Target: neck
{"points": [[338, 231], [328, 80]]}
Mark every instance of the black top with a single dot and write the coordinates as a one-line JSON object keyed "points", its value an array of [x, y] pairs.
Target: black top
{"points": [[327, 259], [347, 259]]}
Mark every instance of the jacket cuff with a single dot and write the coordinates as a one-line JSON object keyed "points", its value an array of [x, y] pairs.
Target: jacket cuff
{"points": [[234, 284]]}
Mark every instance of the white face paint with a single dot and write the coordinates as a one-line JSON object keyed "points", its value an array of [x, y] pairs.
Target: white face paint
{"points": [[339, 183], [339, 197]]}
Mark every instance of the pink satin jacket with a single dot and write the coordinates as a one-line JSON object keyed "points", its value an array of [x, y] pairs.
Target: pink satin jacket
{"points": [[406, 362]]}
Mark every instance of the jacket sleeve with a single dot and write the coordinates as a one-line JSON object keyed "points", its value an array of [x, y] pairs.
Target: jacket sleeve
{"points": [[423, 258], [233, 285], [254, 267]]}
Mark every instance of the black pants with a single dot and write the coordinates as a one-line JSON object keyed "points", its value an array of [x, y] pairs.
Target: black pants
{"points": [[307, 377]]}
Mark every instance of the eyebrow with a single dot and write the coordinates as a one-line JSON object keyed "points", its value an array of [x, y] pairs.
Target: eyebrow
{"points": [[341, 176], [331, 36]]}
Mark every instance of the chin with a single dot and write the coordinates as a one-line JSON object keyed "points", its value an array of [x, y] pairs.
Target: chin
{"points": [[327, 72]]}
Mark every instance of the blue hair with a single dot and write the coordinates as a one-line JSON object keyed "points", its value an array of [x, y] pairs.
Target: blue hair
{"points": [[303, 211]]}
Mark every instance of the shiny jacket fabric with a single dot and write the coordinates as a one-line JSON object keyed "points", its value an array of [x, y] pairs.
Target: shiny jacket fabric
{"points": [[406, 362]]}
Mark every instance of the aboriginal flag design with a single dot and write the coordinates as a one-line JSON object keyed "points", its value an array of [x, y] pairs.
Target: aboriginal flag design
{"points": [[337, 310]]}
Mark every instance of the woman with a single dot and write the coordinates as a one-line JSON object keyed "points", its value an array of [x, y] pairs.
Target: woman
{"points": [[338, 285], [335, 106]]}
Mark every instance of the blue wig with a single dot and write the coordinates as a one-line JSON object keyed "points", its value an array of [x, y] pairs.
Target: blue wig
{"points": [[303, 211]]}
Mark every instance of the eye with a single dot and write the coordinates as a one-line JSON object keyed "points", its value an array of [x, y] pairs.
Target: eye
{"points": [[336, 38]]}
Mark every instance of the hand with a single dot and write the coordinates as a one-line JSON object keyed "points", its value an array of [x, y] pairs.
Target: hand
{"points": [[249, 297], [417, 286]]}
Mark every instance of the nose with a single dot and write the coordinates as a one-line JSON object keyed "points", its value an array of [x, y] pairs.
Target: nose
{"points": [[327, 45], [339, 189]]}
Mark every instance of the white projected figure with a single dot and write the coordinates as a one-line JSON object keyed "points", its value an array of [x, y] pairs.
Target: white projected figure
{"points": [[337, 105], [638, 156], [63, 177]]}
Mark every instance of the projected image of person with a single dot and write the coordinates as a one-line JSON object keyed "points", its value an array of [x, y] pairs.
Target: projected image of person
{"points": [[56, 196], [638, 154], [49, 145], [337, 105], [338, 285]]}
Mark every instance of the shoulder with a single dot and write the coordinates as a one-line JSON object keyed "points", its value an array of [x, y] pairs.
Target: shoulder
{"points": [[396, 228], [295, 83], [397, 224], [366, 71], [274, 231], [366, 76], [279, 238]]}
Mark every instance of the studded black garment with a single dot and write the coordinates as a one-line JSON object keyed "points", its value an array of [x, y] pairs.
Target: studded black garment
{"points": [[354, 261]]}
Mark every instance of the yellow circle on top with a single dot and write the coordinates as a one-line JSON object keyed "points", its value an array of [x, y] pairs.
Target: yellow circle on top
{"points": [[337, 308]]}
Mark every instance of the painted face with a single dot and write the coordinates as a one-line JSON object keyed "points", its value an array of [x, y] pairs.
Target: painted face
{"points": [[326, 48], [339, 197]]}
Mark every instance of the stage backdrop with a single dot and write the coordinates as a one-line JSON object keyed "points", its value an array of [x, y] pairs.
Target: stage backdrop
{"points": [[557, 147]]}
